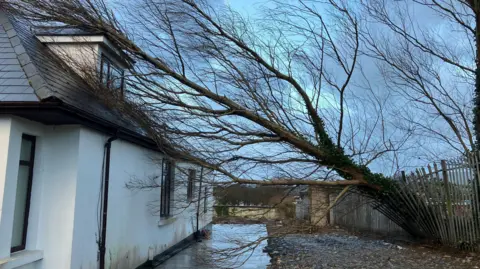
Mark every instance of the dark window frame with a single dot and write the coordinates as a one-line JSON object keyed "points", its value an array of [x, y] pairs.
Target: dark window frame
{"points": [[30, 164], [192, 174], [167, 188], [110, 64]]}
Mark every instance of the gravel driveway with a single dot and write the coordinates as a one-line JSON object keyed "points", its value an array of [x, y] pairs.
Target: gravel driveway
{"points": [[346, 251]]}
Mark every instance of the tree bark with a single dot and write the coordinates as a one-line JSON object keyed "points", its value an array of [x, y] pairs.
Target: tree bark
{"points": [[476, 106]]}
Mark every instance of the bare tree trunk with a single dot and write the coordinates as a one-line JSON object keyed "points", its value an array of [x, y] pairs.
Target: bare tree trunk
{"points": [[475, 5], [476, 109]]}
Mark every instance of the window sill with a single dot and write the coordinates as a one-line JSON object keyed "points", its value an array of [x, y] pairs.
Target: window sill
{"points": [[21, 258], [166, 221]]}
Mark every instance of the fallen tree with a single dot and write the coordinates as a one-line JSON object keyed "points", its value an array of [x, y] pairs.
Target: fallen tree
{"points": [[228, 92], [289, 98]]}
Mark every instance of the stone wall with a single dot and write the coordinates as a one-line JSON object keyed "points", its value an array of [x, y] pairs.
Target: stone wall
{"points": [[319, 202]]}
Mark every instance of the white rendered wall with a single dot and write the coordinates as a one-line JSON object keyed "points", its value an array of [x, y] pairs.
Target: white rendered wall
{"points": [[131, 228], [80, 56], [50, 222], [7, 172], [63, 219], [57, 178]]}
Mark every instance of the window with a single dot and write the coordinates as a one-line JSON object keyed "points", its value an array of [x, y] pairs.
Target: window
{"points": [[191, 184], [23, 192], [111, 75], [205, 201], [168, 176]]}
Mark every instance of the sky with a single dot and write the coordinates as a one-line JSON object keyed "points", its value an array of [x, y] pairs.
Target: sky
{"points": [[246, 6], [420, 150], [440, 29]]}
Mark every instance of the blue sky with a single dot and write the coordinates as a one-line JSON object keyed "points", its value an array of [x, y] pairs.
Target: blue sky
{"points": [[246, 7]]}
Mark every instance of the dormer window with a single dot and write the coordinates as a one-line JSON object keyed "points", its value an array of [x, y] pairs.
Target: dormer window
{"points": [[111, 75], [94, 49]]}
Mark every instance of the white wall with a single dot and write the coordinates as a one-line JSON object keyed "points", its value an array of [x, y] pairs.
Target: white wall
{"points": [[82, 56], [131, 227], [63, 220], [50, 222], [54, 183], [78, 56], [7, 195]]}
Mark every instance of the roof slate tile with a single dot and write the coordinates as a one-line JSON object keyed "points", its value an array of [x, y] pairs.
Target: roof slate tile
{"points": [[10, 67], [14, 82], [8, 55], [14, 74], [9, 97], [16, 89]]}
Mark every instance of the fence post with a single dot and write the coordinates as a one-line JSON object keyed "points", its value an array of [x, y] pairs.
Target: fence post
{"points": [[451, 228], [447, 192], [436, 171], [476, 192], [404, 178]]}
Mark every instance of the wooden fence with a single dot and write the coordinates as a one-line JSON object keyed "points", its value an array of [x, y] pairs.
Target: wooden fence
{"points": [[356, 213], [443, 200], [439, 202]]}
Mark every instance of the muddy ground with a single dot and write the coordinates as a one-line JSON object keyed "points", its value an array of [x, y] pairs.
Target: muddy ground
{"points": [[339, 249]]}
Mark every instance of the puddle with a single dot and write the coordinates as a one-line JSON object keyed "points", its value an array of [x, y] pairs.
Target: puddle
{"points": [[226, 249]]}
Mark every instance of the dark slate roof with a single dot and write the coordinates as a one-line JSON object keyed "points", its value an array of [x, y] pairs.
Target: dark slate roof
{"points": [[30, 71], [14, 84]]}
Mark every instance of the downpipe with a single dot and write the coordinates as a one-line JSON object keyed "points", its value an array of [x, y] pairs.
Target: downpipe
{"points": [[103, 237], [197, 235]]}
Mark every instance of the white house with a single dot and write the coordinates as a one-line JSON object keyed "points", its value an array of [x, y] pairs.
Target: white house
{"points": [[59, 150]]}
